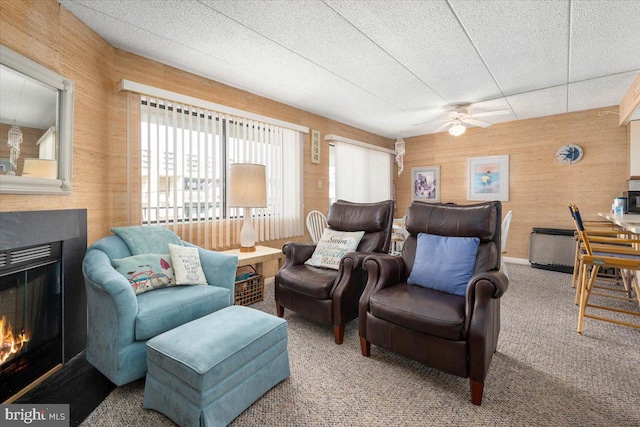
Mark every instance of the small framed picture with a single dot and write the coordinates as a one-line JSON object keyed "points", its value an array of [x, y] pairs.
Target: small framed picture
{"points": [[425, 182], [315, 146], [488, 178]]}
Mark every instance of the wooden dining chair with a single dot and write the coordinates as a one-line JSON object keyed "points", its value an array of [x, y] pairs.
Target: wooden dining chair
{"points": [[599, 234], [618, 254]]}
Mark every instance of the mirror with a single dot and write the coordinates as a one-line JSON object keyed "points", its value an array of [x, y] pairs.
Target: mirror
{"points": [[36, 127]]}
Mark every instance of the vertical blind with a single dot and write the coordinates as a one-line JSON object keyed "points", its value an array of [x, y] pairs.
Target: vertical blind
{"points": [[363, 175], [185, 153]]}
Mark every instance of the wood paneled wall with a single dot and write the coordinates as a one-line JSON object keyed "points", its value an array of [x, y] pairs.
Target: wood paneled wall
{"points": [[540, 187], [46, 32]]}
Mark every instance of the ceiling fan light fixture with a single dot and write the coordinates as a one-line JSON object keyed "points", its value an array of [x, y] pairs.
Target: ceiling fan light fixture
{"points": [[457, 129]]}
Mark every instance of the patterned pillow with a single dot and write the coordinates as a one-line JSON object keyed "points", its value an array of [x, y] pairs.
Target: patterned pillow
{"points": [[146, 272], [332, 246], [187, 266]]}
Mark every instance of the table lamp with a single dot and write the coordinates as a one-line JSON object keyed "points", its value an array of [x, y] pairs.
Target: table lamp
{"points": [[247, 189]]}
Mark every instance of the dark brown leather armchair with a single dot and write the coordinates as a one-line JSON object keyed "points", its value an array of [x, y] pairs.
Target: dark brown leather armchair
{"points": [[455, 334], [326, 295]]}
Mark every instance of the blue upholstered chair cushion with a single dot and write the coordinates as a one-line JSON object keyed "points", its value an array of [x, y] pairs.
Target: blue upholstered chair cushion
{"points": [[147, 239], [165, 309], [444, 263]]}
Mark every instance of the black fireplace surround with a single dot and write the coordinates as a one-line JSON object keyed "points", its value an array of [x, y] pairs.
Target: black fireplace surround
{"points": [[67, 230]]}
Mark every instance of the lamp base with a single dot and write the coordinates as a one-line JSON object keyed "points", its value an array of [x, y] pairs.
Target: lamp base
{"points": [[247, 234]]}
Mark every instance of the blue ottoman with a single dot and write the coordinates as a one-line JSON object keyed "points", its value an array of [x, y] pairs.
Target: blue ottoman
{"points": [[208, 371]]}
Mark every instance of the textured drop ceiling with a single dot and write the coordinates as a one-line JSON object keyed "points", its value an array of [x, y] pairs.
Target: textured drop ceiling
{"points": [[384, 66]]}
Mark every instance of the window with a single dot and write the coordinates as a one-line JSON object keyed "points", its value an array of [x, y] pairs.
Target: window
{"points": [[185, 154], [359, 174]]}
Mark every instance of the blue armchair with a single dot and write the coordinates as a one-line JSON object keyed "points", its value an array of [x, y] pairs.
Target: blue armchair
{"points": [[120, 322]]}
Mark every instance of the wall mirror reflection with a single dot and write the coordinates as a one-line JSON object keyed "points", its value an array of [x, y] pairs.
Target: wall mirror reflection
{"points": [[36, 115]]}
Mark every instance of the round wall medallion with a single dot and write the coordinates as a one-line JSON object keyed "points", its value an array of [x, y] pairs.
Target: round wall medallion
{"points": [[569, 153]]}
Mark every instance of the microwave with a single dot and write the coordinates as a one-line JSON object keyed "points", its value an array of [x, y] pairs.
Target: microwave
{"points": [[633, 201]]}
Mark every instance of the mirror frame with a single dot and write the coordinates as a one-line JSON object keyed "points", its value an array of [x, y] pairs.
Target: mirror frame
{"points": [[64, 124]]}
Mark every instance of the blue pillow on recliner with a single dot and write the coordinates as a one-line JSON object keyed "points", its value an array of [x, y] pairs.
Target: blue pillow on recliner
{"points": [[444, 263]]}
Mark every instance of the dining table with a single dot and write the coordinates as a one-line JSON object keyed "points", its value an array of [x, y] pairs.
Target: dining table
{"points": [[630, 222]]}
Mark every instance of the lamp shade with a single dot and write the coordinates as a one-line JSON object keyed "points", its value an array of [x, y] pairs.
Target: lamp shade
{"points": [[247, 186]]}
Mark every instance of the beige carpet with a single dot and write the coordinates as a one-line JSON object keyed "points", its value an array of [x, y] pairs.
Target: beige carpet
{"points": [[543, 374]]}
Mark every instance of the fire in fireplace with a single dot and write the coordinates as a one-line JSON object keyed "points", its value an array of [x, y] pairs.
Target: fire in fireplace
{"points": [[30, 316], [10, 344]]}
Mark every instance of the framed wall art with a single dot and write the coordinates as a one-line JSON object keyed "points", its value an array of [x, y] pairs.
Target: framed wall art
{"points": [[425, 182], [315, 146], [488, 178]]}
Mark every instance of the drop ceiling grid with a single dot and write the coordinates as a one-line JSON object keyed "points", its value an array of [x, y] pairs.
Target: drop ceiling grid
{"points": [[605, 38], [253, 59], [523, 43], [395, 63], [316, 33], [427, 39]]}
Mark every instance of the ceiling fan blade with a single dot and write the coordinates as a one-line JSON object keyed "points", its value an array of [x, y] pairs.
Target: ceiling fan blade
{"points": [[443, 127], [476, 122], [489, 113], [432, 121]]}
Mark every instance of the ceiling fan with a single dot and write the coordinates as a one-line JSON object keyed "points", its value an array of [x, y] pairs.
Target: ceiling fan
{"points": [[458, 117]]}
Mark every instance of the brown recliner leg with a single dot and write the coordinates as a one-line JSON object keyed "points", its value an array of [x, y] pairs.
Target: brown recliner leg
{"points": [[338, 333], [365, 346], [279, 310], [476, 391]]}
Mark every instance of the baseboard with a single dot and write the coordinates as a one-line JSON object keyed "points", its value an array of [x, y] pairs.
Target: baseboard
{"points": [[511, 260]]}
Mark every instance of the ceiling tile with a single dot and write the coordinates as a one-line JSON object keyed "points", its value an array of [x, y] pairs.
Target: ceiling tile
{"points": [[537, 103], [524, 43], [317, 33], [605, 38], [428, 40]]}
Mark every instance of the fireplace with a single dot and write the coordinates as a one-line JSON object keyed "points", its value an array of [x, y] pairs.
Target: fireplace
{"points": [[42, 298]]}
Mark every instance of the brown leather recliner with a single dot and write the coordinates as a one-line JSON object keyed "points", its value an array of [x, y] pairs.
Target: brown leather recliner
{"points": [[455, 334], [326, 295]]}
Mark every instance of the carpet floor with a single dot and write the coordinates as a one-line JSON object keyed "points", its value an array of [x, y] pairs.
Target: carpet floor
{"points": [[543, 374]]}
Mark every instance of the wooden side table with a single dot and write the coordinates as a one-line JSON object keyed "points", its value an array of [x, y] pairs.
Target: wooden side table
{"points": [[261, 255]]}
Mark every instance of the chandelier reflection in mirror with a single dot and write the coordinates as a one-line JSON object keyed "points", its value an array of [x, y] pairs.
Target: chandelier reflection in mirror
{"points": [[14, 141]]}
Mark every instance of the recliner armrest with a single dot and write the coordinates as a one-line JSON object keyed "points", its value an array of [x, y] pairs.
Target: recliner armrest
{"points": [[384, 270], [497, 278], [482, 324], [297, 253]]}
